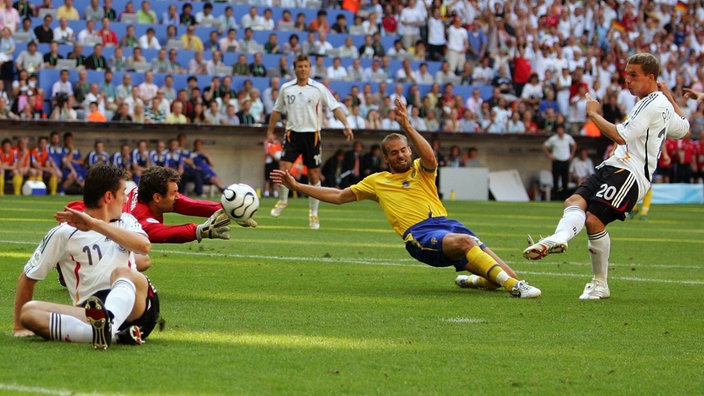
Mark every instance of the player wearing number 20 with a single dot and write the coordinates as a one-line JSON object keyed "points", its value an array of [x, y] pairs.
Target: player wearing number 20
{"points": [[622, 179]]}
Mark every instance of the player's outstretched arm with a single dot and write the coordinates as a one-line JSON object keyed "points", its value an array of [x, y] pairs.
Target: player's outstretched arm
{"points": [[327, 194], [273, 119], [423, 148], [690, 93], [130, 240], [606, 127]]}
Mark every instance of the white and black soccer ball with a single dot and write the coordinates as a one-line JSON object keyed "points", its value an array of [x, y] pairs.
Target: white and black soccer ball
{"points": [[240, 201]]}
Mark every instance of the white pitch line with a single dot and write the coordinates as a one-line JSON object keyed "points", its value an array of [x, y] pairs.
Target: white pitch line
{"points": [[414, 264], [44, 391]]}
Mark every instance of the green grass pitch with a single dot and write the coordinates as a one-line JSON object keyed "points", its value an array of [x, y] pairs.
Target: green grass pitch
{"points": [[285, 310]]}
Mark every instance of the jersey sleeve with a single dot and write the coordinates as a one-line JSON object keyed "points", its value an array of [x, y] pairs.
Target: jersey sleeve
{"points": [[47, 254], [130, 223], [279, 104], [678, 127], [328, 99], [161, 233], [195, 207], [365, 189]]}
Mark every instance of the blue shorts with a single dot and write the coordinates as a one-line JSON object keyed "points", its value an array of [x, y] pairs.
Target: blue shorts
{"points": [[424, 241]]}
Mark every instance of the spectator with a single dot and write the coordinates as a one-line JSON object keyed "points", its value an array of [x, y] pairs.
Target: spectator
{"points": [[252, 19], [149, 40], [293, 46], [63, 33], [320, 23], [581, 167], [229, 43], [25, 8], [129, 39], [170, 16], [191, 41], [94, 114], [29, 59], [44, 32], [186, 18], [560, 148], [86, 35], [108, 11], [176, 67], [147, 89], [227, 20], [117, 61], [257, 68], [160, 64], [77, 55], [68, 11], [206, 18], [136, 57], [122, 114], [411, 19], [216, 62], [248, 44], [176, 116], [96, 61], [108, 35]]}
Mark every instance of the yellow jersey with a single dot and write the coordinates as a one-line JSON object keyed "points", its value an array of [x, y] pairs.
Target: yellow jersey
{"points": [[406, 198]]}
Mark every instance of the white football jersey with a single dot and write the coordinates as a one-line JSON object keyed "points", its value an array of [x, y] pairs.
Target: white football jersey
{"points": [[86, 259], [304, 105], [651, 121]]}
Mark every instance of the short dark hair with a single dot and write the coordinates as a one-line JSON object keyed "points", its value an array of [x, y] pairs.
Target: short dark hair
{"points": [[155, 180], [100, 179], [649, 63]]}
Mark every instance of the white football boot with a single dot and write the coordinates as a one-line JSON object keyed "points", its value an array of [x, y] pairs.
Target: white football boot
{"points": [[595, 290], [523, 290], [278, 208], [542, 248]]}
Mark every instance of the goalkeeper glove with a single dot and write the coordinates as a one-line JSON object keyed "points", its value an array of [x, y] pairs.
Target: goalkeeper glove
{"points": [[217, 226], [248, 223]]}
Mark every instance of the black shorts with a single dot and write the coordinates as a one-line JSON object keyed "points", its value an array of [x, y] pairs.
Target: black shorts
{"points": [[149, 318], [268, 168], [302, 143], [610, 193]]}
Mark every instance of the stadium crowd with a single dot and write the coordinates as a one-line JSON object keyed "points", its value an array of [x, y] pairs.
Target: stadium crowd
{"points": [[528, 65]]}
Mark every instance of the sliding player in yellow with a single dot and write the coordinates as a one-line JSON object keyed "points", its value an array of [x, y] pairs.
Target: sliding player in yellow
{"points": [[409, 198]]}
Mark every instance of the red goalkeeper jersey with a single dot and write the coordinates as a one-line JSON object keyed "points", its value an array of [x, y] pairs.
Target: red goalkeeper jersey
{"points": [[154, 226]]}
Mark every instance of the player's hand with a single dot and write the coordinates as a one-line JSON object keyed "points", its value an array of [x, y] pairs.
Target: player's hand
{"points": [[691, 94], [592, 104], [23, 333], [348, 133], [248, 223], [283, 177], [74, 218], [217, 226]]}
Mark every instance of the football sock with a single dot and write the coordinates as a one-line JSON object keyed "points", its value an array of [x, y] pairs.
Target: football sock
{"points": [[489, 268], [17, 184], [645, 208], [599, 247], [283, 193], [571, 223], [484, 283], [68, 328], [120, 301], [2, 183], [53, 185], [314, 203]]}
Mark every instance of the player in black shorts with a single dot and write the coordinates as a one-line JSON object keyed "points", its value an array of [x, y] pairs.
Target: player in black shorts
{"points": [[303, 100], [623, 178]]}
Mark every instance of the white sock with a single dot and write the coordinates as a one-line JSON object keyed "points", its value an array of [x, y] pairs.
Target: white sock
{"points": [[68, 328], [120, 301], [283, 193], [599, 248], [571, 223], [314, 203]]}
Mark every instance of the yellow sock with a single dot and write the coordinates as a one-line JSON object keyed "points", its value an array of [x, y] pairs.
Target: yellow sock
{"points": [[17, 183], [489, 268], [646, 203], [2, 184], [53, 185], [484, 283]]}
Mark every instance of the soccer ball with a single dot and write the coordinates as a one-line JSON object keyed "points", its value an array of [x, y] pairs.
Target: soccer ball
{"points": [[240, 201]]}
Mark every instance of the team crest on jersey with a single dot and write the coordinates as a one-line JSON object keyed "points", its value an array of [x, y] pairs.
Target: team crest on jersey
{"points": [[406, 184]]}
